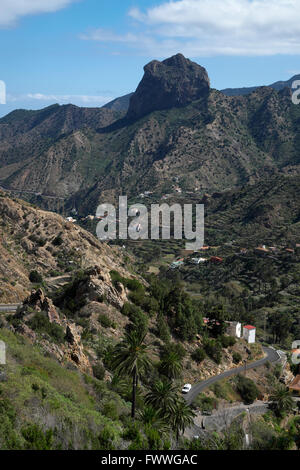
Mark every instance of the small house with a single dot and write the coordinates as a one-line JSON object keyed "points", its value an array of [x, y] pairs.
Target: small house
{"points": [[216, 259], [198, 260], [249, 333], [176, 264], [234, 328]]}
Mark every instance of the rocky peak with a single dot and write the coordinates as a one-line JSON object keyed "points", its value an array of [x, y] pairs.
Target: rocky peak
{"points": [[174, 82]]}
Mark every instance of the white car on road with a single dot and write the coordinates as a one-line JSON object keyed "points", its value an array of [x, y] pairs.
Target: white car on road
{"points": [[186, 388]]}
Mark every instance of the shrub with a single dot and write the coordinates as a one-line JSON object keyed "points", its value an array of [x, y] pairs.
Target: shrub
{"points": [[129, 309], [110, 410], [35, 277], [247, 389], [139, 322], [199, 355], [205, 403], [36, 439], [170, 348], [41, 323], [219, 390], [236, 357], [57, 240], [106, 439], [227, 341], [98, 371], [133, 284], [116, 277], [163, 331], [104, 320], [213, 349]]}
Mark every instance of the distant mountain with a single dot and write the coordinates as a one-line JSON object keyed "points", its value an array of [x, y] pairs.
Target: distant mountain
{"points": [[246, 91], [266, 212], [177, 131], [120, 104]]}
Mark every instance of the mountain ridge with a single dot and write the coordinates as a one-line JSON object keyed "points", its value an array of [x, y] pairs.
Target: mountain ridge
{"points": [[211, 143]]}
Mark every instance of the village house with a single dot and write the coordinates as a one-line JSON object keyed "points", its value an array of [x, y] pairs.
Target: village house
{"points": [[216, 259], [198, 260], [176, 264], [234, 328], [249, 333]]}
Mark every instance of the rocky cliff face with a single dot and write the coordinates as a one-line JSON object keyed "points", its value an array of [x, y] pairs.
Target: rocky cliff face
{"points": [[176, 81], [71, 350]]}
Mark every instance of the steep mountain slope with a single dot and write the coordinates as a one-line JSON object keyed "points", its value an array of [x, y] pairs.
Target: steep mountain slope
{"points": [[120, 104], [35, 240], [201, 139], [26, 134], [267, 212]]}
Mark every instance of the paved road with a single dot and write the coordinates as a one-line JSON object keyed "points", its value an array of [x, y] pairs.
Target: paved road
{"points": [[271, 356], [8, 308], [222, 418]]}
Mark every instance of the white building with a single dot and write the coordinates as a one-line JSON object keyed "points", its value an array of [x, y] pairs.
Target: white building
{"points": [[234, 329], [198, 260], [249, 333]]}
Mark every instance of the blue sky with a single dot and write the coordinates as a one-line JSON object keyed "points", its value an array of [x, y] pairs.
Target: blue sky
{"points": [[90, 51]]}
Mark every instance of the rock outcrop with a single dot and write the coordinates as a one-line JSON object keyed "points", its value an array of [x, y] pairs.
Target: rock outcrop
{"points": [[97, 286], [174, 82], [72, 349], [38, 302], [75, 351]]}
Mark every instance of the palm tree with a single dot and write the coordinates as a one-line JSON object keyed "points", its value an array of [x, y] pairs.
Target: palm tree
{"points": [[171, 365], [162, 397], [181, 417], [152, 417], [281, 400], [130, 358]]}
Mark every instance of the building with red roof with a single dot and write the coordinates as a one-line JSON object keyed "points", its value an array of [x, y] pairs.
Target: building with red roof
{"points": [[249, 333]]}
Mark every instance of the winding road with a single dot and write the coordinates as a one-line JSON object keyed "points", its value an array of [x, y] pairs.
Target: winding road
{"points": [[271, 356], [9, 308]]}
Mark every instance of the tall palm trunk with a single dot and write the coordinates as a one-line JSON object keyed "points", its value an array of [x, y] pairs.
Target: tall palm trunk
{"points": [[134, 387]]}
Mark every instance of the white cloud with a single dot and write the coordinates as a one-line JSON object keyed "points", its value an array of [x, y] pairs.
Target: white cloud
{"points": [[104, 35], [12, 10], [81, 100], [213, 27]]}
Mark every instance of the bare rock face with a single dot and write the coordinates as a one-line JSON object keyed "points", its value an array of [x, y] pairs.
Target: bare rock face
{"points": [[24, 330], [175, 82], [72, 349], [40, 303], [75, 350], [98, 286]]}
